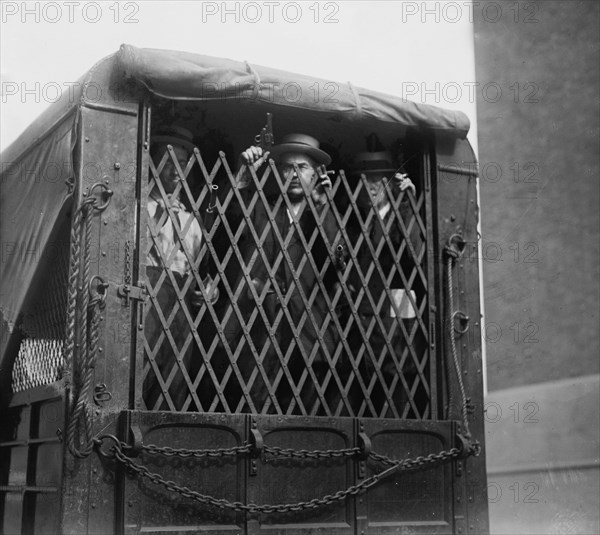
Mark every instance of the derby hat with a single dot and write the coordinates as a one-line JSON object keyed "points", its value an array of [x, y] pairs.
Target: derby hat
{"points": [[175, 135], [301, 143], [373, 162]]}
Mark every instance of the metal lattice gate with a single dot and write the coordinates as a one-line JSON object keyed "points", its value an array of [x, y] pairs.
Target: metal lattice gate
{"points": [[323, 312]]}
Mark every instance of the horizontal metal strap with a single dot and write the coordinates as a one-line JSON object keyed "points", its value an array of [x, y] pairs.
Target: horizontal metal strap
{"points": [[27, 488]]}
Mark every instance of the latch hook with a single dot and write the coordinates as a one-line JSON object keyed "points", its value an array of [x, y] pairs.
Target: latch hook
{"points": [[455, 246], [257, 442]]}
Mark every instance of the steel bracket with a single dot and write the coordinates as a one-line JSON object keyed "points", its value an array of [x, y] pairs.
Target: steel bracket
{"points": [[129, 291], [365, 445]]}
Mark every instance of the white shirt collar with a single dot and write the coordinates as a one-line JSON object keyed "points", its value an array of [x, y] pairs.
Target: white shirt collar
{"points": [[383, 211], [295, 210]]}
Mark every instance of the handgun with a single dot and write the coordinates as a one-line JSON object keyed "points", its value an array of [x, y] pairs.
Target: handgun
{"points": [[266, 139]]}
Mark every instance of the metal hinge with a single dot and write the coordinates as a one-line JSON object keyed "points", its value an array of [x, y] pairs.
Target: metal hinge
{"points": [[129, 291]]}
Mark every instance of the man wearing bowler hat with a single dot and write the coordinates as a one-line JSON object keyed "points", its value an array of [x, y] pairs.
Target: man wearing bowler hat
{"points": [[175, 240], [382, 201], [294, 345]]}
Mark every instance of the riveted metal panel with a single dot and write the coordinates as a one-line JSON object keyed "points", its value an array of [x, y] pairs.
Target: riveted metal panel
{"points": [[412, 501], [290, 480], [457, 212], [152, 508]]}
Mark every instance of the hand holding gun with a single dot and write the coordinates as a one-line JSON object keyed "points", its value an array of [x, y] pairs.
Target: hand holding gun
{"points": [[257, 154], [266, 139]]}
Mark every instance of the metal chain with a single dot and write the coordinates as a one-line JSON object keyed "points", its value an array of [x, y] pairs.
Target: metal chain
{"points": [[314, 454], [239, 450], [394, 465], [418, 461], [127, 276], [291, 453], [182, 452]]}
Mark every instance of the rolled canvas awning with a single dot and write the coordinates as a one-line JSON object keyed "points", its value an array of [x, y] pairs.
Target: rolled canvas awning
{"points": [[182, 75]]}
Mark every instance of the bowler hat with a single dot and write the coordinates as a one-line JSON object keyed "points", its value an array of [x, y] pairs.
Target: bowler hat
{"points": [[301, 143], [373, 162], [175, 135]]}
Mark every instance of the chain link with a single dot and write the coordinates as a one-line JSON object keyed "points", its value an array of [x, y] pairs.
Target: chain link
{"points": [[127, 276], [182, 452], [393, 466], [246, 449], [314, 454], [418, 461]]}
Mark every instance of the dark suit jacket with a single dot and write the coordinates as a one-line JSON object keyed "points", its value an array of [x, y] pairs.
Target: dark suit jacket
{"points": [[386, 256], [298, 283]]}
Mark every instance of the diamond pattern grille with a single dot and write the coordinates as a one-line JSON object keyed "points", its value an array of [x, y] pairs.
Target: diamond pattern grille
{"points": [[321, 309]]}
